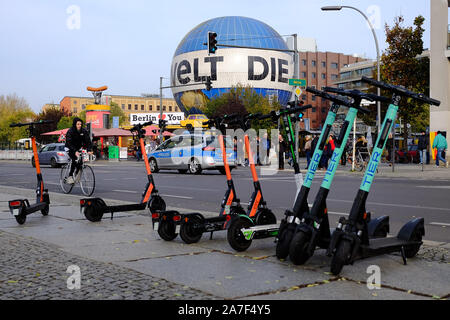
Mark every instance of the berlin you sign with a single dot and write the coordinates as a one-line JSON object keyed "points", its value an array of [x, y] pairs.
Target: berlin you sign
{"points": [[171, 117]]}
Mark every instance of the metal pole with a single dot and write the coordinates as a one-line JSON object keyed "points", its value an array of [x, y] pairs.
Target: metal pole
{"points": [[393, 147], [296, 73], [160, 108], [354, 145]]}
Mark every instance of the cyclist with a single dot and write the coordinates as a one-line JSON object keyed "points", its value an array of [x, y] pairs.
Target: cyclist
{"points": [[76, 138]]}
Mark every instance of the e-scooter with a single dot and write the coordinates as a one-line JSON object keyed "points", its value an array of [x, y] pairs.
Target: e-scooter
{"points": [[20, 208], [191, 226], [260, 222], [350, 240], [94, 208], [314, 229]]}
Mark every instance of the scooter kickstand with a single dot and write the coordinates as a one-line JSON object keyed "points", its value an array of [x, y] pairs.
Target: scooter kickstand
{"points": [[210, 236], [112, 213], [403, 255]]}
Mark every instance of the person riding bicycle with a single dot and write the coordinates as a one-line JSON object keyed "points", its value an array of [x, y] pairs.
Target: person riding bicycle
{"points": [[76, 138]]}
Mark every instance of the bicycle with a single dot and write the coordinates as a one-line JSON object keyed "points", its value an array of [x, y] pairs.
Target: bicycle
{"points": [[84, 176]]}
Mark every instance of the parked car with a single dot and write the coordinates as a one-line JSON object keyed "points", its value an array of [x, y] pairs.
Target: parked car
{"points": [[194, 121], [53, 154], [192, 153], [412, 155]]}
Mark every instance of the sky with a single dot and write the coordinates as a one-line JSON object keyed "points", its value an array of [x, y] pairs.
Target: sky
{"points": [[51, 49]]}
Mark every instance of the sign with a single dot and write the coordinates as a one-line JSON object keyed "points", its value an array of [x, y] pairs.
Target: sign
{"points": [[306, 122], [123, 153], [297, 82], [298, 92], [171, 117], [115, 122]]}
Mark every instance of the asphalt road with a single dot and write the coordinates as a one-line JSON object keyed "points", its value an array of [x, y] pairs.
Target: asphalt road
{"points": [[401, 199]]}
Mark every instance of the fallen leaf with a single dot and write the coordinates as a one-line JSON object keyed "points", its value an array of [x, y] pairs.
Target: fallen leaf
{"points": [[12, 281], [436, 297], [219, 283], [326, 281], [177, 295], [229, 277], [374, 294]]}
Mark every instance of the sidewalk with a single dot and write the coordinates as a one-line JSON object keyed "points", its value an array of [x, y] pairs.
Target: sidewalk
{"points": [[124, 259]]}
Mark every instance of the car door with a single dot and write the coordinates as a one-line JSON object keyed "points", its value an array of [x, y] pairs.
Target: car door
{"points": [[182, 152], [42, 155]]}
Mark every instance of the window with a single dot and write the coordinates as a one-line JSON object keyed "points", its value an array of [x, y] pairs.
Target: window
{"points": [[324, 76], [334, 65], [150, 107], [176, 109], [170, 108], [74, 110], [324, 64], [164, 108], [313, 75], [83, 107], [313, 109], [303, 74], [324, 109], [303, 62], [135, 107], [142, 107], [129, 106], [157, 108], [334, 76], [313, 63], [74, 101], [304, 97], [61, 148], [51, 148], [123, 106]]}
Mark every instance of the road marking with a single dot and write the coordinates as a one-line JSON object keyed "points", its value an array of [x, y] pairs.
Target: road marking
{"points": [[394, 205], [110, 179], [434, 187], [181, 197], [440, 224], [126, 191]]}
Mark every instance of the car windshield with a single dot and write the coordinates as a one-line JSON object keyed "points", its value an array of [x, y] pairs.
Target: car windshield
{"points": [[61, 148]]}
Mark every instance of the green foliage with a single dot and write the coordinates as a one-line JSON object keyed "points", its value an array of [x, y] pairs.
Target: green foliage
{"points": [[65, 122], [242, 100], [116, 111], [52, 114], [13, 110], [401, 66]]}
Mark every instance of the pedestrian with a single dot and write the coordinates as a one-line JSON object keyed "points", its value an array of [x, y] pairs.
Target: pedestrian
{"points": [[307, 150], [423, 146], [281, 151], [265, 143], [440, 143], [327, 152]]}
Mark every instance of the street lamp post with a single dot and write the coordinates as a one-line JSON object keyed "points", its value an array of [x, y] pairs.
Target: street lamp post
{"points": [[337, 8]]}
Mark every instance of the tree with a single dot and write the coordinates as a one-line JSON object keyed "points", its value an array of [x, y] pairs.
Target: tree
{"points": [[400, 65], [52, 114], [65, 122], [13, 110], [116, 111], [242, 100]]}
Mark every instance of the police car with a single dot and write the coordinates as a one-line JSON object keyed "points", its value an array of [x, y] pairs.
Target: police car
{"points": [[192, 153]]}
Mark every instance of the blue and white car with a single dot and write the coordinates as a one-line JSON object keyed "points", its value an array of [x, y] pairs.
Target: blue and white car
{"points": [[192, 153]]}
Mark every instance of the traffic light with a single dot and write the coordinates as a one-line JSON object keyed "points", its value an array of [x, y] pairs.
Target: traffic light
{"points": [[208, 83], [300, 116], [212, 42]]}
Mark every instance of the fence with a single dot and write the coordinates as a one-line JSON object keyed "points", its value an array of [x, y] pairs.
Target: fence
{"points": [[19, 154]]}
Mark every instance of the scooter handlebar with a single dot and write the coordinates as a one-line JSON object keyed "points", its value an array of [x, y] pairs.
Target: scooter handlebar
{"points": [[12, 125], [401, 91], [140, 126], [332, 98]]}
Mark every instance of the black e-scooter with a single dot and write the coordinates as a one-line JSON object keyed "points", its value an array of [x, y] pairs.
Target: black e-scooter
{"points": [[260, 222], [94, 208], [20, 208], [350, 240], [191, 226], [314, 229]]}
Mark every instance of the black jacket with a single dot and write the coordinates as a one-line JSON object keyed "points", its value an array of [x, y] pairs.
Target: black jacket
{"points": [[75, 140], [423, 142]]}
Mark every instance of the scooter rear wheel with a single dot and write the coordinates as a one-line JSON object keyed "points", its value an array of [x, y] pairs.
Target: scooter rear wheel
{"points": [[21, 218], [299, 247], [412, 250], [189, 233], [340, 257], [235, 237], [166, 230], [91, 214]]}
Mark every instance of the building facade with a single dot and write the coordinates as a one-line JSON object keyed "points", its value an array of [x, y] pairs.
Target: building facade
{"points": [[128, 104], [321, 69], [440, 66]]}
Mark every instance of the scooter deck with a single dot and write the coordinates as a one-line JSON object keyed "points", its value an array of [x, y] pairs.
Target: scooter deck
{"points": [[389, 244], [123, 207], [35, 207]]}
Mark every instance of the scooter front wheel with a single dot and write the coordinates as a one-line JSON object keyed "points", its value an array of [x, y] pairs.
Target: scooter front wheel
{"points": [[284, 241], [236, 238], [166, 230], [341, 256], [156, 203], [298, 250], [189, 231]]}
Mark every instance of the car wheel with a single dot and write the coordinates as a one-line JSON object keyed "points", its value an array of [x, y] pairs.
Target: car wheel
{"points": [[153, 165], [194, 166], [53, 163]]}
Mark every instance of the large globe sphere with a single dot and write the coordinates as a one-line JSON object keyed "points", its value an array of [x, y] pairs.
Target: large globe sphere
{"points": [[266, 71]]}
